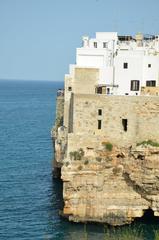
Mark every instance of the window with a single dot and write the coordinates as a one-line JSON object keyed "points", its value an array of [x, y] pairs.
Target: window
{"points": [[100, 112], [99, 124], [99, 90], [125, 124], [69, 88], [151, 83], [149, 65], [95, 44], [125, 65], [105, 45], [108, 91], [135, 84]]}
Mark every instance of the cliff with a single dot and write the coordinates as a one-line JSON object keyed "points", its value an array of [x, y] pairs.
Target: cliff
{"points": [[103, 181], [115, 188]]}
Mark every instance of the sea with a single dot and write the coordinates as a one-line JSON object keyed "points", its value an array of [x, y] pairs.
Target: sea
{"points": [[30, 199]]}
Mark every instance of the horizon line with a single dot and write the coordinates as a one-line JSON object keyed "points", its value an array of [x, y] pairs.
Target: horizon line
{"points": [[42, 80]]}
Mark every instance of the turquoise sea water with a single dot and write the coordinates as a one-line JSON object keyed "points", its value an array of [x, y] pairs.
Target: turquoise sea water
{"points": [[29, 198]]}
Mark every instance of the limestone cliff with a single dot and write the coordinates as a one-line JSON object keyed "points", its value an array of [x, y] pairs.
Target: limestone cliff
{"points": [[107, 183], [114, 188]]}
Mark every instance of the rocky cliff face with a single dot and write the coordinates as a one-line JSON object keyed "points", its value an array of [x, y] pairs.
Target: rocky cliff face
{"points": [[58, 136], [115, 188], [114, 185]]}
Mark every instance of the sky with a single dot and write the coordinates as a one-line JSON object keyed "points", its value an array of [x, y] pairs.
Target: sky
{"points": [[38, 38]]}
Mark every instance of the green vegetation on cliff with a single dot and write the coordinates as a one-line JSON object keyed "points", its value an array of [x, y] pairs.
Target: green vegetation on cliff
{"points": [[148, 142]]}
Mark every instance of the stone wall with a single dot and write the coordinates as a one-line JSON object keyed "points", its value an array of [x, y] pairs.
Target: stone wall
{"points": [[85, 80], [141, 113]]}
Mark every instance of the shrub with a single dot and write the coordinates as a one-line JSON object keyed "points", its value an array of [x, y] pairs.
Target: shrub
{"points": [[99, 159], [108, 146], [86, 162], [77, 155], [59, 121], [156, 233], [125, 233], [149, 142], [131, 234], [81, 152]]}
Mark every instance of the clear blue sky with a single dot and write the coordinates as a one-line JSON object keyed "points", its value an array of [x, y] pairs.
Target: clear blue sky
{"points": [[38, 38]]}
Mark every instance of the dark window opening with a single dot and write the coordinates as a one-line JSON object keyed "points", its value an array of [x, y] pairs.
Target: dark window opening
{"points": [[100, 112], [99, 124], [95, 44], [105, 45], [125, 38], [151, 83], [108, 91], [69, 88], [149, 65], [126, 93], [99, 90], [135, 84], [125, 124], [125, 65]]}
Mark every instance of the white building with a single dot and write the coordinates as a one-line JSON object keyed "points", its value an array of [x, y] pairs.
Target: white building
{"points": [[126, 63]]}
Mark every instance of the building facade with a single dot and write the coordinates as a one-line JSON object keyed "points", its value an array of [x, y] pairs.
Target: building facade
{"points": [[126, 65], [112, 90]]}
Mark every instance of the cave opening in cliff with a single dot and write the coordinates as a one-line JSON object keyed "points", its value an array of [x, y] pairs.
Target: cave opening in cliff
{"points": [[149, 217], [58, 189]]}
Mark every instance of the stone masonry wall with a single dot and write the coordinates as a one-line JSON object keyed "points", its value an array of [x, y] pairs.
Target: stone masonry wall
{"points": [[141, 112], [83, 81]]}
